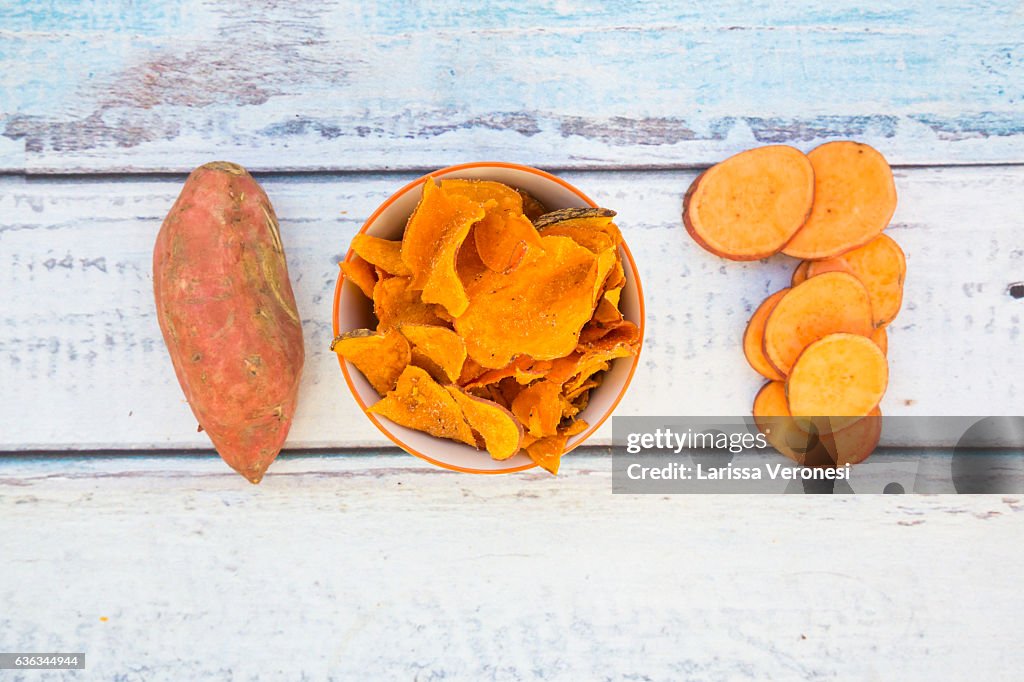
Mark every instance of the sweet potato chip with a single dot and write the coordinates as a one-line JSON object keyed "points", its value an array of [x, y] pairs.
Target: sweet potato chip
{"points": [[381, 357], [567, 214], [418, 402], [532, 207], [537, 310], [539, 409], [575, 427], [504, 198], [384, 253], [585, 220], [547, 452], [439, 345], [500, 431], [395, 303], [431, 244], [523, 369], [503, 238], [361, 273]]}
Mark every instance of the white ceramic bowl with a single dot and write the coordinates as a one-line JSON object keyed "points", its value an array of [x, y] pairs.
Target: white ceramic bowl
{"points": [[353, 311]]}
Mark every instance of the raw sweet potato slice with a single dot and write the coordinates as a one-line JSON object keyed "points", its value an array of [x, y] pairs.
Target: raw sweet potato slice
{"points": [[439, 346], [418, 402], [536, 310], [881, 337], [800, 273], [772, 417], [750, 205], [753, 338], [881, 266], [848, 445], [384, 253], [395, 303], [841, 376], [500, 431], [547, 452], [502, 239], [433, 237], [854, 199], [381, 357], [361, 273], [854, 443], [822, 305], [538, 408]]}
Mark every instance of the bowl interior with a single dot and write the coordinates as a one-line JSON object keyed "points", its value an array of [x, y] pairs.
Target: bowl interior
{"points": [[355, 312]]}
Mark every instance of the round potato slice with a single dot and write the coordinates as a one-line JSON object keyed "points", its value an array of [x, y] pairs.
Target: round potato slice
{"points": [[750, 205], [881, 266], [826, 304], [854, 199], [841, 376], [753, 338]]}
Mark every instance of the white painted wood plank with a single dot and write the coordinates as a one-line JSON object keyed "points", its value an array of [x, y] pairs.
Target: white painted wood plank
{"points": [[84, 365], [99, 85], [382, 568]]}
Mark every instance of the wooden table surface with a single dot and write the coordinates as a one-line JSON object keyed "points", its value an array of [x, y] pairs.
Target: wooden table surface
{"points": [[121, 535]]}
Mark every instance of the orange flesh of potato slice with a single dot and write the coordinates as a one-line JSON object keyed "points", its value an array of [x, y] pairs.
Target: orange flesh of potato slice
{"points": [[538, 408], [537, 310], [381, 357], [800, 273], [532, 207], [881, 266], [854, 199], [504, 197], [750, 205], [839, 376], [501, 433], [547, 452], [822, 305], [502, 239], [361, 273], [394, 303], [439, 345], [771, 414], [384, 253], [753, 338], [418, 402], [433, 238], [575, 427], [849, 445], [881, 337]]}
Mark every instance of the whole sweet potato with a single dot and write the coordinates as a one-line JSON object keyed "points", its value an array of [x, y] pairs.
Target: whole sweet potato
{"points": [[228, 315]]}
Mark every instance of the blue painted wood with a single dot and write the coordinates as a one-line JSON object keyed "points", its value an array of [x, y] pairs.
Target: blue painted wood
{"points": [[95, 86]]}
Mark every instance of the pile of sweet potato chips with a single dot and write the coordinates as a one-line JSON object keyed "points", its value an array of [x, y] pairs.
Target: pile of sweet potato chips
{"points": [[495, 318]]}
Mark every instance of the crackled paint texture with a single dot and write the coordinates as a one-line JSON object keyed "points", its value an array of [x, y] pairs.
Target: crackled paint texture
{"points": [[112, 86]]}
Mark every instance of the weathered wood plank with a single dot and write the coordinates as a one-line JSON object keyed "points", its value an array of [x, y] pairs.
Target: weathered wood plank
{"points": [[84, 365], [101, 86], [476, 577]]}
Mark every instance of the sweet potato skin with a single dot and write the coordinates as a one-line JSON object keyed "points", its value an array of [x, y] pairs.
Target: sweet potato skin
{"points": [[228, 316]]}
